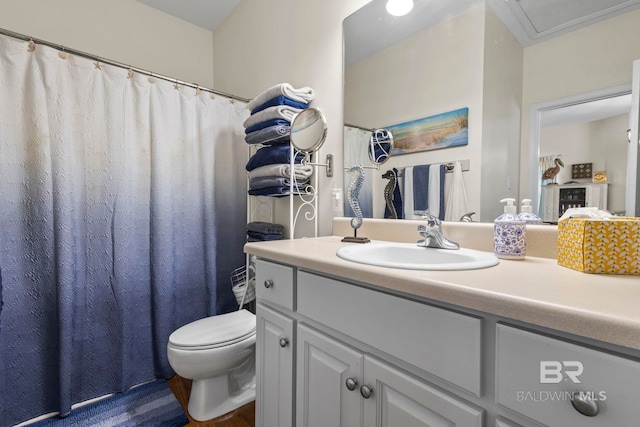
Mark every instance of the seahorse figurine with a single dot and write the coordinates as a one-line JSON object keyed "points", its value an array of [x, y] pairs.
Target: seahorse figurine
{"points": [[388, 192], [352, 192]]}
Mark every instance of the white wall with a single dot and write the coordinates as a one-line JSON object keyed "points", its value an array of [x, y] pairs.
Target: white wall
{"points": [[593, 58], [405, 82], [121, 30], [502, 99], [266, 42], [602, 143], [572, 143]]}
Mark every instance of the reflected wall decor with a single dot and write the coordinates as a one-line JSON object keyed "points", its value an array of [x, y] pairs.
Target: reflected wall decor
{"points": [[444, 130]]}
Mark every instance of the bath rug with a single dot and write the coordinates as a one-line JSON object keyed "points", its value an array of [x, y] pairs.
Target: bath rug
{"points": [[148, 405]]}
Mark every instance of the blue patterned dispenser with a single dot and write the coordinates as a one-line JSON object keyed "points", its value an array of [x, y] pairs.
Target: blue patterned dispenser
{"points": [[526, 213], [509, 233]]}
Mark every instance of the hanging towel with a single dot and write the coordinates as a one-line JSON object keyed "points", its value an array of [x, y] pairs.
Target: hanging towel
{"points": [[266, 124], [303, 94], [436, 191], [409, 211], [280, 100], [421, 189], [272, 155], [457, 204], [278, 112], [282, 170], [270, 135]]}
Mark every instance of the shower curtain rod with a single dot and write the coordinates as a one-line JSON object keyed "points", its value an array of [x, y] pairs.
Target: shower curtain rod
{"points": [[357, 127], [118, 64]]}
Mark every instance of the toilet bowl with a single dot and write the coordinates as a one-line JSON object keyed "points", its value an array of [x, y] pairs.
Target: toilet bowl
{"points": [[218, 354]]}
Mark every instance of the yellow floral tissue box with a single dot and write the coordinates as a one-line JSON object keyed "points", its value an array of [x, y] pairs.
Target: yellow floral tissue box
{"points": [[606, 246]]}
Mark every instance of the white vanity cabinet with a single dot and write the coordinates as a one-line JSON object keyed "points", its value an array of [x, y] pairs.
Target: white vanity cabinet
{"points": [[556, 199], [340, 386], [275, 343], [400, 399], [334, 352], [328, 381]]}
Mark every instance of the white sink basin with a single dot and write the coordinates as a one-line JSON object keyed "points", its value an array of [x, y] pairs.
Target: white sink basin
{"points": [[410, 256]]}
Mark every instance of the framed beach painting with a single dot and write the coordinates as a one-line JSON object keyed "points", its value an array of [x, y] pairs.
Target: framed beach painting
{"points": [[444, 130]]}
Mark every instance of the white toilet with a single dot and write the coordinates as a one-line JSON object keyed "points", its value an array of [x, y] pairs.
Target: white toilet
{"points": [[218, 354]]}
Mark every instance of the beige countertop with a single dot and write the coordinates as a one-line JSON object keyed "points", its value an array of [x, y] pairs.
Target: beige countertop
{"points": [[535, 290]]}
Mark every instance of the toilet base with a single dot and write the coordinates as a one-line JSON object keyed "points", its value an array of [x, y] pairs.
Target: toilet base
{"points": [[210, 398]]}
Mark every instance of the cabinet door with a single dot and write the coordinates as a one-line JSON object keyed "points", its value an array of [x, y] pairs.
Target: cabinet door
{"points": [[328, 381], [398, 399], [597, 196], [274, 368]]}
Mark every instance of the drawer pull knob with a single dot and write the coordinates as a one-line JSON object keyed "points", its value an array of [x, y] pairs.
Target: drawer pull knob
{"points": [[268, 283], [366, 391], [351, 383], [586, 406], [284, 342]]}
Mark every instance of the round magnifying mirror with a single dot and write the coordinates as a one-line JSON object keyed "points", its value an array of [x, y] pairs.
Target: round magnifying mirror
{"points": [[308, 130], [380, 146]]}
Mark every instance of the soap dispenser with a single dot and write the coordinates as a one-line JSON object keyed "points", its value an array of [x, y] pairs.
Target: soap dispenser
{"points": [[509, 233], [526, 213]]}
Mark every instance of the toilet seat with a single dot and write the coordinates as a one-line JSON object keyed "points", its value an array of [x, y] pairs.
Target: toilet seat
{"points": [[215, 331]]}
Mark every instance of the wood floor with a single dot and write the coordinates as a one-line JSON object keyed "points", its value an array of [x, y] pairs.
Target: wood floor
{"points": [[244, 416]]}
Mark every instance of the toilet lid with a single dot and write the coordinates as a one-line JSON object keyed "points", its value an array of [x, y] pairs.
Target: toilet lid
{"points": [[216, 330]]}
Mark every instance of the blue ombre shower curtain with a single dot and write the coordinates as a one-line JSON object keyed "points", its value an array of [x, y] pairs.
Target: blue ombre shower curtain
{"points": [[122, 213]]}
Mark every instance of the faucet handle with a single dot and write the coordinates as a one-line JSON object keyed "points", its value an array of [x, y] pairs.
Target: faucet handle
{"points": [[432, 221]]}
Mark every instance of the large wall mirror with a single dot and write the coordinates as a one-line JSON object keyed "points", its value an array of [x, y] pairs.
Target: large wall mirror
{"points": [[515, 65]]}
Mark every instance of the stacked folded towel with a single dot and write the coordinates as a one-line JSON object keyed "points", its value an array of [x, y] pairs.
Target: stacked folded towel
{"points": [[259, 231], [300, 172], [270, 171], [274, 154], [272, 112]]}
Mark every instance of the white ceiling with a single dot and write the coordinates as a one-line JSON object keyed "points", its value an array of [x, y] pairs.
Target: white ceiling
{"points": [[533, 21], [371, 28], [207, 14]]}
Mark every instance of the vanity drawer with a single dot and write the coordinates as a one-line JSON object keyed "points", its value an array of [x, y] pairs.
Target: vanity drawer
{"points": [[538, 377], [274, 283], [441, 342]]}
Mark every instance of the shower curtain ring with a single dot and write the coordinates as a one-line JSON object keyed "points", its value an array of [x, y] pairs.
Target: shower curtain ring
{"points": [[62, 54]]}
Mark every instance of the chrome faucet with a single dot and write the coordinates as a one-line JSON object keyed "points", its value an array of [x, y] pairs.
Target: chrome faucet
{"points": [[432, 235]]}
